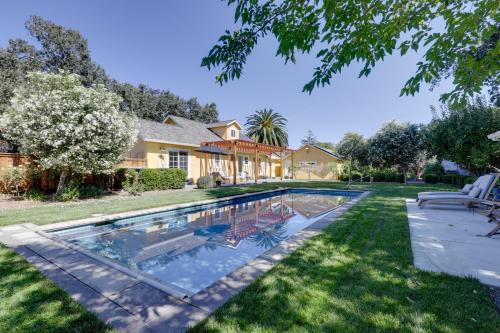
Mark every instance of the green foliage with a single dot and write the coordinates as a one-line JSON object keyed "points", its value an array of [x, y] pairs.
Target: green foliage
{"points": [[91, 192], [397, 144], [434, 168], [460, 134], [387, 175], [353, 147], [310, 139], [458, 180], [267, 126], [70, 192], [162, 179], [34, 194], [326, 145], [458, 38], [131, 183], [59, 48], [12, 180], [431, 178], [205, 182]]}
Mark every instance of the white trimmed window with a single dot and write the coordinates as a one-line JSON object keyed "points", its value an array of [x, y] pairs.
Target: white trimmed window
{"points": [[216, 162], [233, 133], [178, 159]]}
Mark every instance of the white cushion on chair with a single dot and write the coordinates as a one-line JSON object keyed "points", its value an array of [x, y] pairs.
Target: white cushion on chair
{"points": [[466, 189], [475, 192]]}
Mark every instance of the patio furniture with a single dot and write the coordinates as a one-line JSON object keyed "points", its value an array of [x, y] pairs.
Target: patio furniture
{"points": [[478, 194], [492, 215], [465, 190]]}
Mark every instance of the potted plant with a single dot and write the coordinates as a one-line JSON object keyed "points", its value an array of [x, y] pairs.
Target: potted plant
{"points": [[218, 181]]}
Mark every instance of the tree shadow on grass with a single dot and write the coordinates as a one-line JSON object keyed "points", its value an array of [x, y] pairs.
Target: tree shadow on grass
{"points": [[358, 276], [31, 303]]}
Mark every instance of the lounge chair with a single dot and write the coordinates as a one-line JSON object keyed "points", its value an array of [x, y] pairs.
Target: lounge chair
{"points": [[465, 190], [478, 193]]}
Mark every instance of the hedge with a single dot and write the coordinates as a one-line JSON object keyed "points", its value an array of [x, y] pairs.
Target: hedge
{"points": [[378, 176], [205, 182], [162, 179], [430, 178], [458, 180]]}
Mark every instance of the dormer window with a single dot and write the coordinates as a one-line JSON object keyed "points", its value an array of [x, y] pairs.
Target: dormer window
{"points": [[233, 133]]}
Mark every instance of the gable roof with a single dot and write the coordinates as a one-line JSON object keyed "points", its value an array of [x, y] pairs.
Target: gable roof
{"points": [[183, 131], [224, 123], [324, 150]]}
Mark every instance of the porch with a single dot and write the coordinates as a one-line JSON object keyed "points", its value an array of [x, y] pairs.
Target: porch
{"points": [[249, 162]]}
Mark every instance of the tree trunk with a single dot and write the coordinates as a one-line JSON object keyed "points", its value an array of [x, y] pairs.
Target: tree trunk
{"points": [[350, 170], [62, 181], [404, 174]]}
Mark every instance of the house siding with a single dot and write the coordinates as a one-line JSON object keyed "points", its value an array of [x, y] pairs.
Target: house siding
{"points": [[321, 171]]}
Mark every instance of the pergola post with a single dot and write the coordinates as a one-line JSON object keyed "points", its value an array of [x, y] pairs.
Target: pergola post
{"points": [[281, 165], [256, 163], [270, 166], [293, 168], [234, 163], [206, 164]]}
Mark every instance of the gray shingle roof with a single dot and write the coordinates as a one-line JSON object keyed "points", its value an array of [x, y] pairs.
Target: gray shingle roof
{"points": [[185, 131], [221, 123], [328, 151]]}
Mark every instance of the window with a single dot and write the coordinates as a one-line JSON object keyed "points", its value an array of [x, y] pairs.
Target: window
{"points": [[233, 133], [217, 161], [178, 159]]}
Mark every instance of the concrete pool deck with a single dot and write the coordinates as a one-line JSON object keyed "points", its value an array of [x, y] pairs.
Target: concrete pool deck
{"points": [[129, 304], [450, 239]]}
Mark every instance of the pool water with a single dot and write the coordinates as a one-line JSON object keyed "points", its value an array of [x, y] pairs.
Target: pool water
{"points": [[191, 248]]}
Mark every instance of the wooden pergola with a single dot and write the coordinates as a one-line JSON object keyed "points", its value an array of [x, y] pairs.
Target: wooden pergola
{"points": [[242, 146]]}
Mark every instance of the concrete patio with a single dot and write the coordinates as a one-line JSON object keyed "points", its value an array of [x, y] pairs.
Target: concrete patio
{"points": [[450, 239]]}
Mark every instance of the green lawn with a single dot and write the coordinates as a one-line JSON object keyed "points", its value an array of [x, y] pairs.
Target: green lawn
{"points": [[31, 303], [114, 204], [357, 276]]}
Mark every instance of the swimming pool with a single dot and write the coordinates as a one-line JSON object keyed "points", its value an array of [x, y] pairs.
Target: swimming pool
{"points": [[191, 248]]}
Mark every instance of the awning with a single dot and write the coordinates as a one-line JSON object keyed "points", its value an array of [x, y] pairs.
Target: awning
{"points": [[494, 136], [213, 150]]}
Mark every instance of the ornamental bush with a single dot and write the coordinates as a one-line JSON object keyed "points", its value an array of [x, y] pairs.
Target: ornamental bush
{"points": [[205, 182], [162, 179], [68, 127], [431, 178]]}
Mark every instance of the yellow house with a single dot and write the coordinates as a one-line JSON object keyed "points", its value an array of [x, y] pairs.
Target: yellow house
{"points": [[217, 149], [311, 162]]}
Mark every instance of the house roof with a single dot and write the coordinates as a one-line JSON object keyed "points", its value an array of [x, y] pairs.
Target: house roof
{"points": [[224, 123], [324, 150], [182, 131], [328, 151], [494, 136]]}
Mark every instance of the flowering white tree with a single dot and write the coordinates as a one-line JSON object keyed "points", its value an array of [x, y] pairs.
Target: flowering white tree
{"points": [[66, 126]]}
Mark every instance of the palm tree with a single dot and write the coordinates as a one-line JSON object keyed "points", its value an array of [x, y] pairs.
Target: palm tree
{"points": [[267, 126]]}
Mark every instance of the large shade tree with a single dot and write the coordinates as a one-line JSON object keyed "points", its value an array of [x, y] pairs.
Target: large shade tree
{"points": [[352, 147], [59, 48], [397, 144], [267, 126], [66, 126], [460, 134], [457, 39]]}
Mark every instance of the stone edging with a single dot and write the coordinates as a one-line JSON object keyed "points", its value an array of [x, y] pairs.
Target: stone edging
{"points": [[127, 302]]}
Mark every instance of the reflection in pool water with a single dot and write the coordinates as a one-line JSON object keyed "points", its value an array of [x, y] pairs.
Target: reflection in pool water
{"points": [[194, 247]]}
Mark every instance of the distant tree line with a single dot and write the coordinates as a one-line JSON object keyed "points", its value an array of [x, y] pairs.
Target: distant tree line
{"points": [[456, 133], [59, 48]]}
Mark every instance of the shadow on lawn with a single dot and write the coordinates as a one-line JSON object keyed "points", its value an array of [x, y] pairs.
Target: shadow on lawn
{"points": [[31, 303], [358, 276]]}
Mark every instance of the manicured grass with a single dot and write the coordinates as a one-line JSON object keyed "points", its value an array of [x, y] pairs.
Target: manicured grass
{"points": [[77, 210], [358, 276], [31, 303]]}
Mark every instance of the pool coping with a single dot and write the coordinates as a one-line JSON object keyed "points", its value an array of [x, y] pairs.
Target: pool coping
{"points": [[74, 269]]}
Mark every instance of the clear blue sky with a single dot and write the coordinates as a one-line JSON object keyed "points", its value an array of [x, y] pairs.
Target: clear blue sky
{"points": [[161, 44]]}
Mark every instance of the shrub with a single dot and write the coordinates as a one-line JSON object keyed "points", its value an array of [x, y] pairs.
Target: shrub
{"points": [[162, 179], [434, 168], [131, 182], [431, 178], [91, 192], [34, 194], [205, 182], [71, 192]]}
